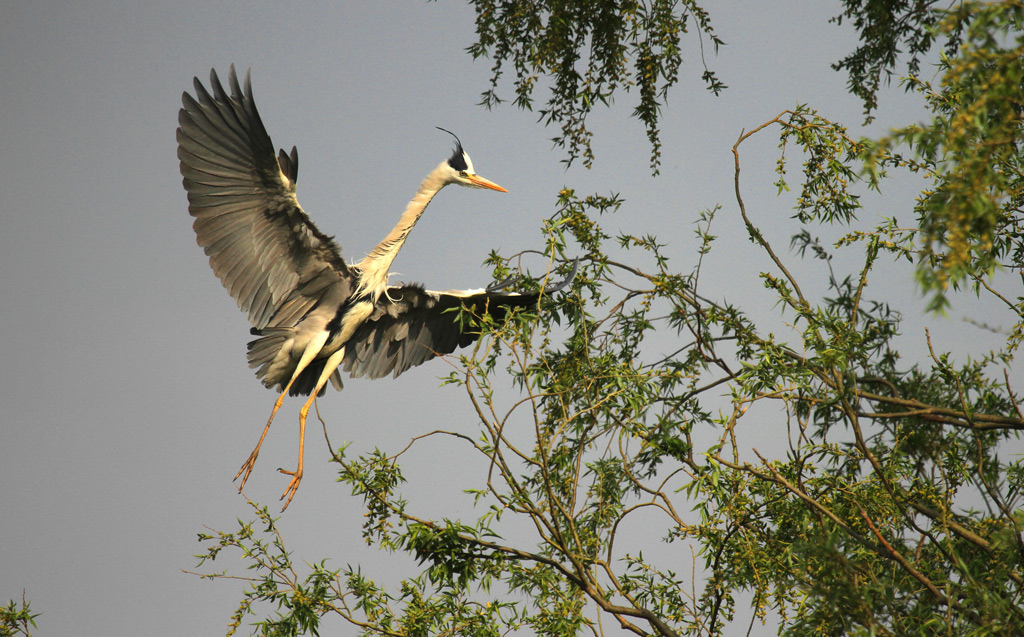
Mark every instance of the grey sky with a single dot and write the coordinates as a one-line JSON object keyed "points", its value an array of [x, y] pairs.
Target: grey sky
{"points": [[127, 403]]}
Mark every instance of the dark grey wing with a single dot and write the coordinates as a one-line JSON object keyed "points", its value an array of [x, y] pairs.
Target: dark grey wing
{"points": [[417, 325], [262, 246]]}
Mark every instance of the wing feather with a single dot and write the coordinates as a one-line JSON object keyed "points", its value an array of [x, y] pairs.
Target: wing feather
{"points": [[419, 325], [213, 139], [271, 258]]}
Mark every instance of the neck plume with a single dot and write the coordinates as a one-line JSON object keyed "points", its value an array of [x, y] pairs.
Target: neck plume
{"points": [[373, 278]]}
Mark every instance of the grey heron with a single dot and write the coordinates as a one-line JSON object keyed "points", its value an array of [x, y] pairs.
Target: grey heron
{"points": [[311, 311]]}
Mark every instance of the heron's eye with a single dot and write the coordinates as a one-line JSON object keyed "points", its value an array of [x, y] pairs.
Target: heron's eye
{"points": [[463, 174]]}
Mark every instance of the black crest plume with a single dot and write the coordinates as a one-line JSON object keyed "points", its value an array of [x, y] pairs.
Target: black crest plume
{"points": [[456, 161]]}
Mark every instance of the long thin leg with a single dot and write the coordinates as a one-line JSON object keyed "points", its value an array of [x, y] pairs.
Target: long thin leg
{"points": [[312, 349], [248, 465], [329, 367]]}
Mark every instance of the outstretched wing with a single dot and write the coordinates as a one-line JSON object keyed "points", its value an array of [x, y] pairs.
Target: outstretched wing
{"points": [[418, 325], [262, 246]]}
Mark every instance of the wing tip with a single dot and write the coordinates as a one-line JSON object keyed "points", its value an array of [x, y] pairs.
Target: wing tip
{"points": [[551, 288]]}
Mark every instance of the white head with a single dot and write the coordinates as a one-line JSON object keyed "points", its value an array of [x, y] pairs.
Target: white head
{"points": [[462, 172]]}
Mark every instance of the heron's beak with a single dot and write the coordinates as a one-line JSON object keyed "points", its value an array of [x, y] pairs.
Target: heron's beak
{"points": [[480, 182]]}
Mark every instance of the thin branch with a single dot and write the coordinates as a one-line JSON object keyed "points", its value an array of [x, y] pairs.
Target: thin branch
{"points": [[754, 232], [909, 568]]}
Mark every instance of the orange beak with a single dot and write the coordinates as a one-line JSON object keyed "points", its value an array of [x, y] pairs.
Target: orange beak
{"points": [[480, 182]]}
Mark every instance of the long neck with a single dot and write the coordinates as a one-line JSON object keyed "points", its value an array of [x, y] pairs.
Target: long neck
{"points": [[374, 267]]}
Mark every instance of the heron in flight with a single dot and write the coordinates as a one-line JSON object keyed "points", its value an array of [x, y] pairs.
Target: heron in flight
{"points": [[311, 311]]}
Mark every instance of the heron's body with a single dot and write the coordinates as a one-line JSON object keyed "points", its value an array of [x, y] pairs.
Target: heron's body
{"points": [[313, 312]]}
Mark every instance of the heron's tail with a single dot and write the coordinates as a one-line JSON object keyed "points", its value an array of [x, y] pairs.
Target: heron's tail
{"points": [[271, 357]]}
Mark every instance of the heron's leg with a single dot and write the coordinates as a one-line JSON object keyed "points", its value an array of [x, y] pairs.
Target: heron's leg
{"points": [[248, 465], [329, 367], [312, 349]]}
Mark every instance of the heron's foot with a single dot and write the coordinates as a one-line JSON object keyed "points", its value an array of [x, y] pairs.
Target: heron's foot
{"points": [[293, 486], [247, 467]]}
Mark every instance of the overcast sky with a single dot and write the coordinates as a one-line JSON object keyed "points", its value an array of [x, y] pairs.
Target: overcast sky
{"points": [[127, 405]]}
